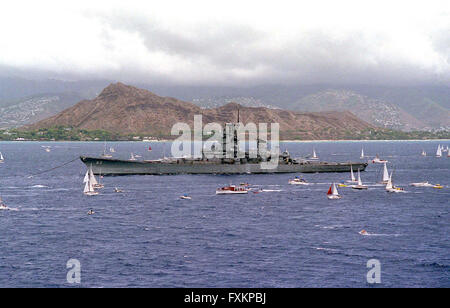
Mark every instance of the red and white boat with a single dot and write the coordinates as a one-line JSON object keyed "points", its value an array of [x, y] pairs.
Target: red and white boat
{"points": [[232, 189], [333, 193], [378, 160]]}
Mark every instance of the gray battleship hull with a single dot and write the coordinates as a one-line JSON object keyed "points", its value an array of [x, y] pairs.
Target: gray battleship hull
{"points": [[109, 166]]}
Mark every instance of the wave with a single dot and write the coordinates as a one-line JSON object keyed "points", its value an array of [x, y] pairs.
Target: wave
{"points": [[39, 186]]}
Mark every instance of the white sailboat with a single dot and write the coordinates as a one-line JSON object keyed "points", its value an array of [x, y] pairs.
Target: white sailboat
{"points": [[89, 187], [333, 193], [106, 155], [360, 185], [385, 178], [94, 181], [424, 153], [132, 157], [391, 188], [439, 151], [112, 150], [362, 153], [314, 156], [2, 159], [352, 175]]}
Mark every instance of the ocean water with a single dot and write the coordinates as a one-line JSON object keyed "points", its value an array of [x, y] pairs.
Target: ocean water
{"points": [[285, 236]]}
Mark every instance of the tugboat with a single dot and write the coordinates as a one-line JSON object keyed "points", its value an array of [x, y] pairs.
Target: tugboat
{"points": [[232, 189]]}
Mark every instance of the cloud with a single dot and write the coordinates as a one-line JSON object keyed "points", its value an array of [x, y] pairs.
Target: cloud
{"points": [[234, 43]]}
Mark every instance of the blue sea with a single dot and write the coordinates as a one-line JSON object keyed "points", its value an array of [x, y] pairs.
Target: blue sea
{"points": [[285, 236]]}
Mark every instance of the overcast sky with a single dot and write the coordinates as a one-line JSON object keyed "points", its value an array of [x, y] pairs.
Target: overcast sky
{"points": [[229, 42]]}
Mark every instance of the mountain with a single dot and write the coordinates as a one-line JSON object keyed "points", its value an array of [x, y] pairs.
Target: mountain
{"points": [[415, 107], [130, 110], [374, 111], [35, 108], [398, 107]]}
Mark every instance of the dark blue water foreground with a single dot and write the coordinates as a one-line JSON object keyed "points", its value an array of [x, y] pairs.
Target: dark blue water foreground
{"points": [[285, 236]]}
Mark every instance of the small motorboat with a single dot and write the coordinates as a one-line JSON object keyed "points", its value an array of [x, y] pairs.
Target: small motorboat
{"points": [[438, 186], [333, 193], [2, 205], [90, 212], [378, 160], [363, 232], [232, 189], [422, 184], [185, 197], [342, 185], [118, 190], [298, 181]]}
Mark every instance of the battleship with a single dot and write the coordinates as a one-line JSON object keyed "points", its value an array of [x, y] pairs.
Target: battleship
{"points": [[231, 161]]}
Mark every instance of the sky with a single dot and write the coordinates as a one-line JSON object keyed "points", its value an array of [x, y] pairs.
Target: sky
{"points": [[229, 42]]}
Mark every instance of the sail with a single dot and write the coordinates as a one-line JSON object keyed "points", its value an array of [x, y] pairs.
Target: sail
{"points": [[389, 183], [330, 191], [1, 156], [92, 178], [362, 153], [335, 191], [352, 174], [359, 178], [314, 154], [149, 148], [86, 177], [385, 173], [439, 151], [86, 187]]}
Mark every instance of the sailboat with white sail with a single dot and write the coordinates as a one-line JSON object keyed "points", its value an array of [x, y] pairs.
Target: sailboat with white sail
{"points": [[391, 188], [2, 159], [362, 153], [333, 193], [385, 178], [439, 151], [89, 186], [352, 176], [424, 153], [314, 156], [360, 185], [95, 183], [105, 154], [132, 157]]}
